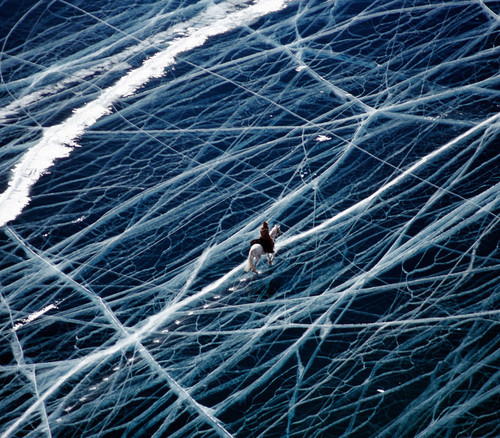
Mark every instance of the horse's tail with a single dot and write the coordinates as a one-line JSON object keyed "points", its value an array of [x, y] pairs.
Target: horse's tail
{"points": [[248, 265]]}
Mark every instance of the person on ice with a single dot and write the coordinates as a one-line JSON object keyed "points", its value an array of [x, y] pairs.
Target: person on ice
{"points": [[265, 240]]}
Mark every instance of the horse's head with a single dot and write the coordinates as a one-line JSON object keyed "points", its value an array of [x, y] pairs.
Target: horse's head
{"points": [[275, 232]]}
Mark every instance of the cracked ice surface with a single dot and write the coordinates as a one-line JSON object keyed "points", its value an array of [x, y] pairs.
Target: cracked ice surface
{"points": [[142, 146]]}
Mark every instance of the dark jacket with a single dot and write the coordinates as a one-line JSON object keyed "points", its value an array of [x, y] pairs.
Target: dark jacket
{"points": [[265, 240]]}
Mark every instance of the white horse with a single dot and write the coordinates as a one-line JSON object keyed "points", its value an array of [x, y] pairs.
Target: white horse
{"points": [[256, 251]]}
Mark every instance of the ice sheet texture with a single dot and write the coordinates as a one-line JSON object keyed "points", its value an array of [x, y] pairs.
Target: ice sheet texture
{"points": [[142, 145]]}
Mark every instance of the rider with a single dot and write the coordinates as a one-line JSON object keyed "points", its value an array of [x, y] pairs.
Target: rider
{"points": [[265, 240]]}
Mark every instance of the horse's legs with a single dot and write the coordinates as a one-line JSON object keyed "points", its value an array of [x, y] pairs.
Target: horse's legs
{"points": [[256, 252], [270, 258], [255, 260]]}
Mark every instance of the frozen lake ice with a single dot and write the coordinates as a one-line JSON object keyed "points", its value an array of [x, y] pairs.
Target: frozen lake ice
{"points": [[142, 146]]}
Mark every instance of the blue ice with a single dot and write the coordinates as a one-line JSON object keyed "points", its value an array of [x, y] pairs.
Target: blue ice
{"points": [[141, 148]]}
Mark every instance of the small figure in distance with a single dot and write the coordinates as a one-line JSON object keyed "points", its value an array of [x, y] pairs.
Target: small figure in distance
{"points": [[263, 245], [265, 240]]}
